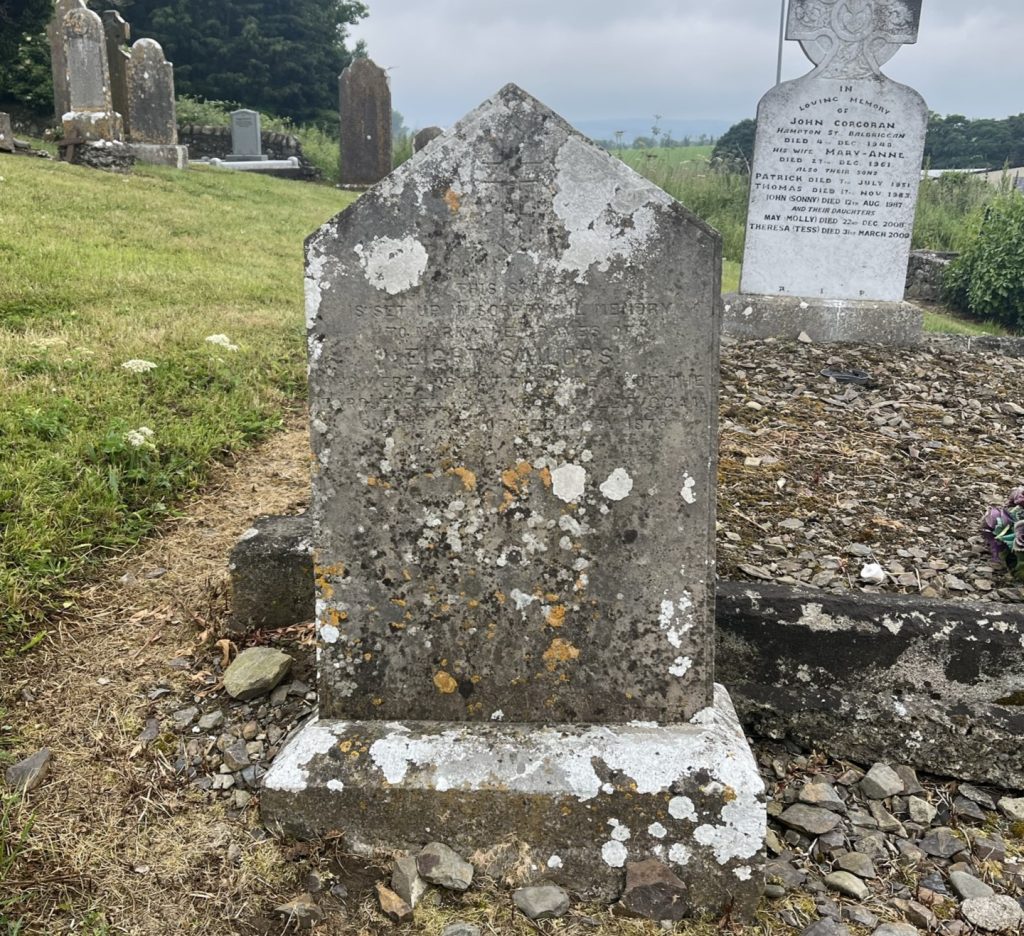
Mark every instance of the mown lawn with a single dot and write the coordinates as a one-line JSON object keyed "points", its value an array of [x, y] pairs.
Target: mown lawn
{"points": [[100, 270]]}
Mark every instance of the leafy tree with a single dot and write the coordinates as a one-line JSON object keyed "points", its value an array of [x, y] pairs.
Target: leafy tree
{"points": [[278, 56], [25, 78], [735, 148]]}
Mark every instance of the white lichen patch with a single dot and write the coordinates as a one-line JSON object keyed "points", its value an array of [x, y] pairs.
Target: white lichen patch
{"points": [[744, 872], [392, 265], [657, 830], [687, 492], [568, 482], [329, 634], [522, 600], [681, 666], [679, 854], [619, 833], [290, 773], [618, 485], [681, 807], [336, 785], [554, 862], [614, 854]]}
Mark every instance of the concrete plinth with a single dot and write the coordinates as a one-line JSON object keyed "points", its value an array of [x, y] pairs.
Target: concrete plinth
{"points": [[156, 154], [585, 798], [830, 321], [257, 164]]}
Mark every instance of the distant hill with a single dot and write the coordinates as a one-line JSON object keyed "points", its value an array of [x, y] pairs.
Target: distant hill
{"points": [[633, 127]]}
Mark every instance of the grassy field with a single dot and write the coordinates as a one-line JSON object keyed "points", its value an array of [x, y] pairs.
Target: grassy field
{"points": [[102, 270]]}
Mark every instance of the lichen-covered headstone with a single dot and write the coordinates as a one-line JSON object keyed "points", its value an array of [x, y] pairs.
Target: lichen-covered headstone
{"points": [[119, 36], [837, 167], [6, 133], [154, 126], [365, 111], [91, 114], [513, 347], [58, 57]]}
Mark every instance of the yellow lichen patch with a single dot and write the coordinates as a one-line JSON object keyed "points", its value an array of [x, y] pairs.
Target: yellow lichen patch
{"points": [[545, 477], [475, 679], [499, 597], [560, 651], [556, 616], [399, 601], [473, 603], [453, 201], [378, 482], [378, 701], [729, 794], [345, 746], [367, 657], [467, 477], [445, 683], [407, 575]]}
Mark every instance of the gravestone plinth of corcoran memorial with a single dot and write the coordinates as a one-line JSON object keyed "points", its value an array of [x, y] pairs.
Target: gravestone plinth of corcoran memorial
{"points": [[91, 116], [513, 351], [834, 182], [364, 109], [152, 116], [246, 137]]}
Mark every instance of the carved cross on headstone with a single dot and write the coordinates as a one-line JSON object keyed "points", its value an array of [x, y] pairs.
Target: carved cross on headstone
{"points": [[852, 38], [521, 211]]}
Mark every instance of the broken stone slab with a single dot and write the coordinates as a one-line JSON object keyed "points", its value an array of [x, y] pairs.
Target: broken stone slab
{"points": [[811, 820], [392, 906], [695, 797], [881, 782], [654, 892], [823, 795], [406, 881], [28, 774], [438, 864], [541, 902], [255, 672]]}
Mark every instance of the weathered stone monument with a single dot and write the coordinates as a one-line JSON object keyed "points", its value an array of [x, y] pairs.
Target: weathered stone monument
{"points": [[151, 113], [425, 136], [513, 349], [6, 133], [58, 57], [365, 111], [834, 183], [90, 116], [119, 37], [246, 137]]}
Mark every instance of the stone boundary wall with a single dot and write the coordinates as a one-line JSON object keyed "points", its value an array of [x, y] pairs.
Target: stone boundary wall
{"points": [[206, 142], [935, 684], [925, 273]]}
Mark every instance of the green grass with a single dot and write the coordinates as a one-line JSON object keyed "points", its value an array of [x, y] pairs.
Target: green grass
{"points": [[939, 323], [100, 269]]}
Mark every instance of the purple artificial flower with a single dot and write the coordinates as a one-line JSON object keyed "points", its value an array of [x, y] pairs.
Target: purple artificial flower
{"points": [[1016, 498], [1018, 536], [996, 522]]}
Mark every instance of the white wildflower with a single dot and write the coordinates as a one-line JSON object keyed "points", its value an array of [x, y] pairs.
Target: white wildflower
{"points": [[222, 341], [140, 438], [137, 366]]}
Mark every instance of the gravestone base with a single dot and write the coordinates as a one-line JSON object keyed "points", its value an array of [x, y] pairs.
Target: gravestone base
{"points": [[585, 798], [160, 154], [92, 126], [829, 321], [243, 158]]}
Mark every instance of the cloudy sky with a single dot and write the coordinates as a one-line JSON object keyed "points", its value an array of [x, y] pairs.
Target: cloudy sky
{"points": [[681, 58]]}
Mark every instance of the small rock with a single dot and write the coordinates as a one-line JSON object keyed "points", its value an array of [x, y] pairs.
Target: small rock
{"points": [[774, 891], [968, 887], [911, 785], [460, 928], [184, 717], [917, 914], [993, 914], [921, 811], [826, 927], [406, 881], [987, 847], [211, 720], [965, 808], [941, 843], [847, 884], [872, 845], [1012, 808], [809, 819], [804, 338], [543, 902], [896, 929], [236, 757], [439, 865], [654, 892], [392, 906], [255, 672], [302, 912], [26, 775], [857, 863], [340, 891], [886, 821], [881, 782], [977, 796], [823, 795], [859, 550]]}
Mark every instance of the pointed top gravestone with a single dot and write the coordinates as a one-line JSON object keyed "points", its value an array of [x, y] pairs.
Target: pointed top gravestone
{"points": [[513, 352], [91, 115], [119, 36], [58, 58], [151, 95], [836, 171], [365, 112]]}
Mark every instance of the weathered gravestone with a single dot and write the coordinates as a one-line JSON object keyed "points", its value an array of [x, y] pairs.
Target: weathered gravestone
{"points": [[119, 36], [425, 136], [91, 115], [834, 183], [246, 137], [365, 111], [513, 347], [154, 126], [58, 57], [6, 133]]}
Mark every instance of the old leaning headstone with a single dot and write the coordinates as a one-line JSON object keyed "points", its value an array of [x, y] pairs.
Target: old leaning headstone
{"points": [[154, 127], [91, 115], [365, 111], [834, 183], [246, 137], [58, 58], [119, 36], [513, 347]]}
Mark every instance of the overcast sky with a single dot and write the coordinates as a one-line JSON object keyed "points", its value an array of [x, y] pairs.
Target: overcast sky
{"points": [[680, 58]]}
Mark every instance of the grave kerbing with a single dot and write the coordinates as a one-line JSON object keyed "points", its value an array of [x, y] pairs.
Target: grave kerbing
{"points": [[834, 184], [513, 348]]}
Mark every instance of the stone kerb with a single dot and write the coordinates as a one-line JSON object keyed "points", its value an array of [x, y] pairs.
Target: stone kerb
{"points": [[835, 177], [513, 346]]}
